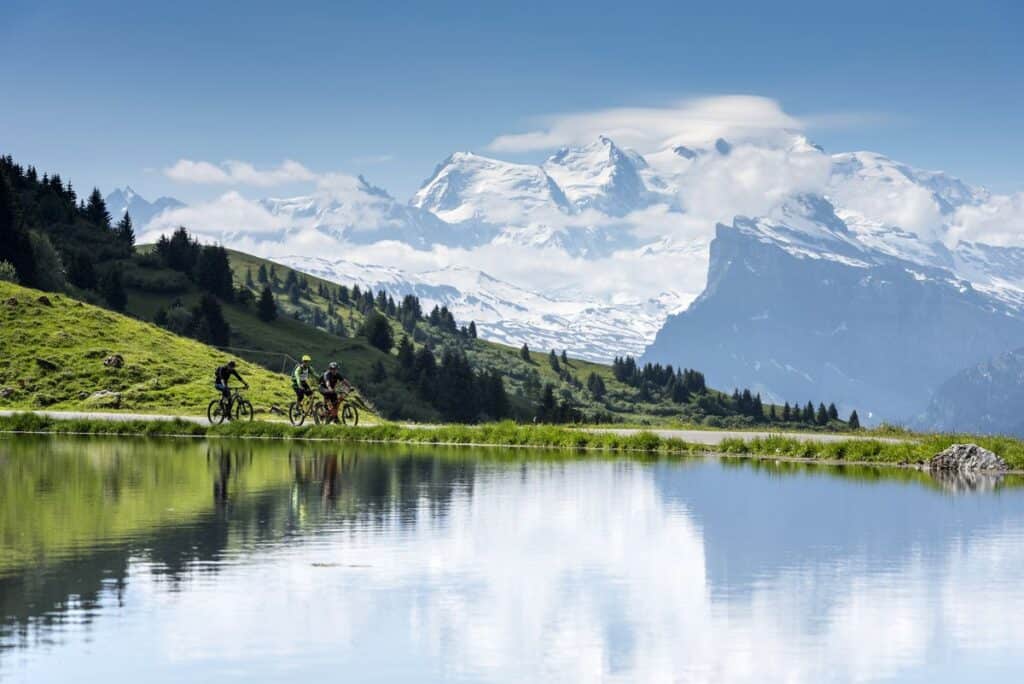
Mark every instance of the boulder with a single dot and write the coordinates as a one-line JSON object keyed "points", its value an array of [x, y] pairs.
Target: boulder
{"points": [[11, 301], [44, 300], [277, 410], [967, 457], [114, 361], [104, 399], [46, 365], [6, 392]]}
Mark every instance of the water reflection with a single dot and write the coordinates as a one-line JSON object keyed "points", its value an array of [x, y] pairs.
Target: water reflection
{"points": [[263, 561]]}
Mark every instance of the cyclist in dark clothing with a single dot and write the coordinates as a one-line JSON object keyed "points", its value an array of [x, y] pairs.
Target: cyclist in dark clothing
{"points": [[330, 384], [222, 375]]}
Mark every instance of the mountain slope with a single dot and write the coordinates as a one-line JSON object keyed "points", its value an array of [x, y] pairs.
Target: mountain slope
{"points": [[506, 313], [984, 399], [795, 311], [54, 353]]}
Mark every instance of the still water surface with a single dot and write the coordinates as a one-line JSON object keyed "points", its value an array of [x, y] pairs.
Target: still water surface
{"points": [[160, 561]]}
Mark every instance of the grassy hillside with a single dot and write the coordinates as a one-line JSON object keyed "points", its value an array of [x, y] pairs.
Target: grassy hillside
{"points": [[54, 352]]}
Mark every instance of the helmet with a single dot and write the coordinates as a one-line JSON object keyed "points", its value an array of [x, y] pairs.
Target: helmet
{"points": [[306, 358], [231, 363], [333, 365]]}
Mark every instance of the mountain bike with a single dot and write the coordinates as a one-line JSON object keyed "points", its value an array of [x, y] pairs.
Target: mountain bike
{"points": [[310, 406], [235, 407], [347, 412]]}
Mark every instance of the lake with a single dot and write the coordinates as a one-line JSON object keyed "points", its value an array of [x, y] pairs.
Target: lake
{"points": [[177, 561]]}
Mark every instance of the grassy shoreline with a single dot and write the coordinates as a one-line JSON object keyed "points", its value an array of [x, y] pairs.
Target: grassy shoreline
{"points": [[869, 451]]}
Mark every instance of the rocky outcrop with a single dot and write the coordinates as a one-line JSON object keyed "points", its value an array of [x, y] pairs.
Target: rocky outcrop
{"points": [[114, 361], [967, 457]]}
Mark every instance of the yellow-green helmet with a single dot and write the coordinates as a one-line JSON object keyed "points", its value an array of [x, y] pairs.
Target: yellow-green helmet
{"points": [[306, 358]]}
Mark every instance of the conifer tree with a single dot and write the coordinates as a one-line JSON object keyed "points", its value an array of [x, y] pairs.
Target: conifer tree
{"points": [[267, 310], [821, 418], [565, 358], [854, 421], [96, 210], [248, 278], [261, 275], [785, 412], [472, 330], [125, 232], [15, 246], [524, 353], [833, 412], [112, 289]]}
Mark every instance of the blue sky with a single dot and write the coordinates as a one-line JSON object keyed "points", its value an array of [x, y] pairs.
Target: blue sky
{"points": [[111, 93]]}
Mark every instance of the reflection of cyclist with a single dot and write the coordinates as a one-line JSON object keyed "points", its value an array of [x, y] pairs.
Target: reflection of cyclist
{"points": [[330, 384], [300, 378], [222, 375]]}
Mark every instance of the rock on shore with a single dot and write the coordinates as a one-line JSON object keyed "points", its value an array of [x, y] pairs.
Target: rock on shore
{"points": [[967, 457]]}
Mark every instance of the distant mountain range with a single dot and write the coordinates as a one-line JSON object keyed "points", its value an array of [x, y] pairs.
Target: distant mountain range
{"points": [[142, 211], [848, 275]]}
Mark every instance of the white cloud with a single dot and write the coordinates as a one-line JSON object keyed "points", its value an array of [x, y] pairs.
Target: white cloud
{"points": [[646, 129], [212, 221], [998, 222], [238, 173]]}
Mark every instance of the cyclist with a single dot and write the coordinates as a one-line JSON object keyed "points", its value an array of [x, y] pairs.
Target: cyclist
{"points": [[222, 375], [300, 378], [330, 383]]}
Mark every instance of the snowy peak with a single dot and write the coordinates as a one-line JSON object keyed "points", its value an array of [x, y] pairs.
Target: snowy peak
{"points": [[142, 211], [599, 176], [470, 188]]}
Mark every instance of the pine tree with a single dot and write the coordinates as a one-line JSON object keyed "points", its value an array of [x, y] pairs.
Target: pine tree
{"points": [[377, 331], [546, 408], [112, 289], [785, 412], [596, 386], [15, 246], [248, 278], [565, 358], [213, 272], [125, 232], [833, 412], [524, 353], [553, 362], [261, 275], [294, 294], [808, 416], [821, 418], [854, 421], [96, 210], [208, 323], [472, 330], [267, 310]]}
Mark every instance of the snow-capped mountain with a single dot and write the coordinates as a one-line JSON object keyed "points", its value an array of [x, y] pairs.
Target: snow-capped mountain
{"points": [[125, 199], [507, 313], [354, 211], [599, 176]]}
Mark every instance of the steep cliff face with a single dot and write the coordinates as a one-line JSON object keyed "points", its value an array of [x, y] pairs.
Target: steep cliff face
{"points": [[802, 315]]}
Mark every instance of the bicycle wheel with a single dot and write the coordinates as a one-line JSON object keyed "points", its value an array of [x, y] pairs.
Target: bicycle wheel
{"points": [[243, 411], [295, 414], [319, 413], [350, 415], [215, 412]]}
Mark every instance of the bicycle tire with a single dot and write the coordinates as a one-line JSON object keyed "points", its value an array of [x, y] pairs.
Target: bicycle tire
{"points": [[319, 413], [295, 414], [349, 415], [243, 411], [215, 413]]}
